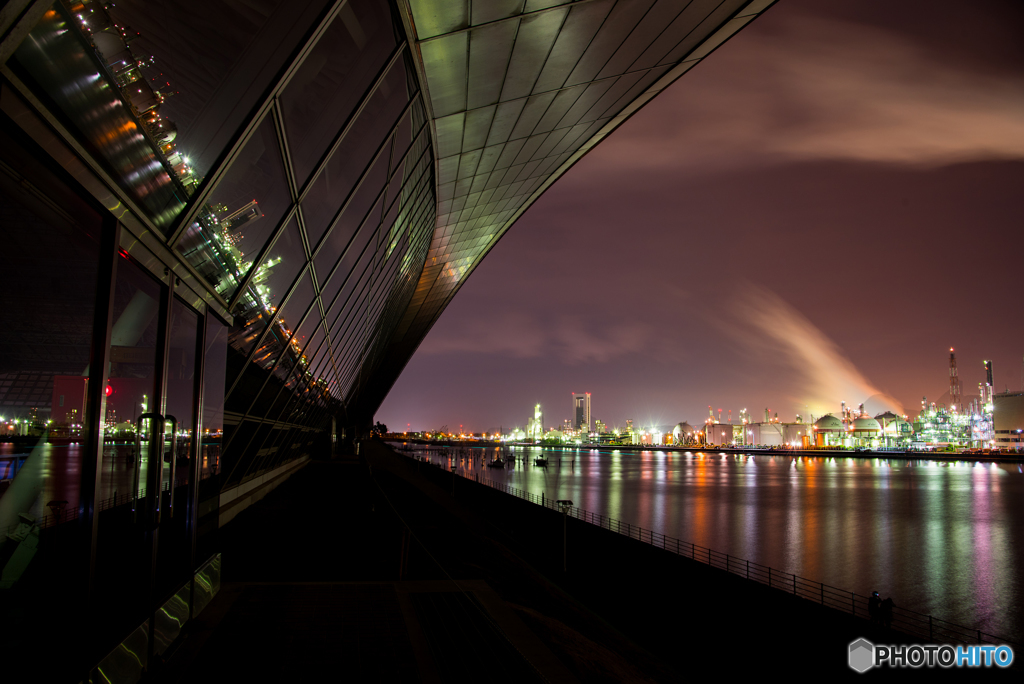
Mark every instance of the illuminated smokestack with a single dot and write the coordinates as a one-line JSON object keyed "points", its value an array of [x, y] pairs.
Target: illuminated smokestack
{"points": [[955, 399]]}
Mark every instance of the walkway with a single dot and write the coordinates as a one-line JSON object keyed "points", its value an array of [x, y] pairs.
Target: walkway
{"points": [[378, 573], [322, 579]]}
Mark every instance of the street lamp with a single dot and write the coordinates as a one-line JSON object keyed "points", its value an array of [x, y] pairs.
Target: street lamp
{"points": [[564, 505]]}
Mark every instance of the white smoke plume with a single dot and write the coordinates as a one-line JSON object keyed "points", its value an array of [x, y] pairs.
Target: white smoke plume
{"points": [[827, 376]]}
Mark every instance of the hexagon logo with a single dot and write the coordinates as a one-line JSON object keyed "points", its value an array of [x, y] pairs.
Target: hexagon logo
{"points": [[862, 655]]}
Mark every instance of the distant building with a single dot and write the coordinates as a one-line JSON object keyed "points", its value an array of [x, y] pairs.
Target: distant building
{"points": [[941, 427], [684, 433], [1008, 420], [865, 431], [739, 433], [829, 431], [895, 429], [69, 398], [581, 412], [554, 435], [535, 425], [769, 434], [775, 433], [719, 433]]}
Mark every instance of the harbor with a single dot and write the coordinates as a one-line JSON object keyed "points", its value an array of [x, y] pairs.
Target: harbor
{"points": [[940, 536]]}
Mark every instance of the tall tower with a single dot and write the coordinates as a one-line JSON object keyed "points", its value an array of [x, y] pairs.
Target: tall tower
{"points": [[535, 426], [955, 398], [581, 411], [988, 381]]}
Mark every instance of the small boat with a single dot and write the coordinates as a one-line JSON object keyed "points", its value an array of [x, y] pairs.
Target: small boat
{"points": [[540, 460], [496, 463]]}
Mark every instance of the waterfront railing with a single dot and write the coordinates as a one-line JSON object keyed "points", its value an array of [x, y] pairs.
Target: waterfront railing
{"points": [[909, 622], [70, 513]]}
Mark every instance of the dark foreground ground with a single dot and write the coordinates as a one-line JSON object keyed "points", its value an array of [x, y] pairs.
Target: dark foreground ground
{"points": [[386, 569]]}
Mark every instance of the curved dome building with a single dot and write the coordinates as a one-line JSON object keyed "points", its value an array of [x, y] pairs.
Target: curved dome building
{"points": [[829, 431], [866, 426], [894, 427], [865, 431], [237, 275], [829, 423], [683, 432]]}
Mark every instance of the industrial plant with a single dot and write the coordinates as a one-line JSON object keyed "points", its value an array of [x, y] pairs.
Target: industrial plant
{"points": [[990, 422]]}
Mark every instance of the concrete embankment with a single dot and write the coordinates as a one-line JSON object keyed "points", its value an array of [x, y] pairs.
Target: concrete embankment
{"points": [[685, 613]]}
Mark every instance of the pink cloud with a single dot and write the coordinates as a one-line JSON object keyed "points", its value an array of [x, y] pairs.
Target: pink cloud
{"points": [[790, 87]]}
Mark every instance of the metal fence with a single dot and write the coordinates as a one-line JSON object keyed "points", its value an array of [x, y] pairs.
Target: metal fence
{"points": [[70, 513], [903, 620]]}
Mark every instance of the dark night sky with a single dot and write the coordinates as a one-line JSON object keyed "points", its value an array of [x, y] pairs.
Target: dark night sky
{"points": [[816, 213]]}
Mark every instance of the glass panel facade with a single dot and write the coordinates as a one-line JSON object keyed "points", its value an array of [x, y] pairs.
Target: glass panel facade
{"points": [[367, 137], [243, 214], [50, 289], [345, 180], [359, 219], [213, 61], [98, 87], [308, 172], [174, 552], [322, 95], [209, 466], [348, 115], [331, 163], [133, 448], [160, 96]]}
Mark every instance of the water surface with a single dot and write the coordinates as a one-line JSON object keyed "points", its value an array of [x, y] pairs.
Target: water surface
{"points": [[946, 539]]}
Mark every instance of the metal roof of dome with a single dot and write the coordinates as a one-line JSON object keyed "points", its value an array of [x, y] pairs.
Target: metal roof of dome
{"points": [[866, 424], [828, 422]]}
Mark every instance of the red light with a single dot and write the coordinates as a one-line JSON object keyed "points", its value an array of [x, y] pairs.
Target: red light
{"points": [[108, 390]]}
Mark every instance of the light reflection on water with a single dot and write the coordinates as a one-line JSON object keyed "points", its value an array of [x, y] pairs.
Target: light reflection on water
{"points": [[56, 471], [945, 539]]}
